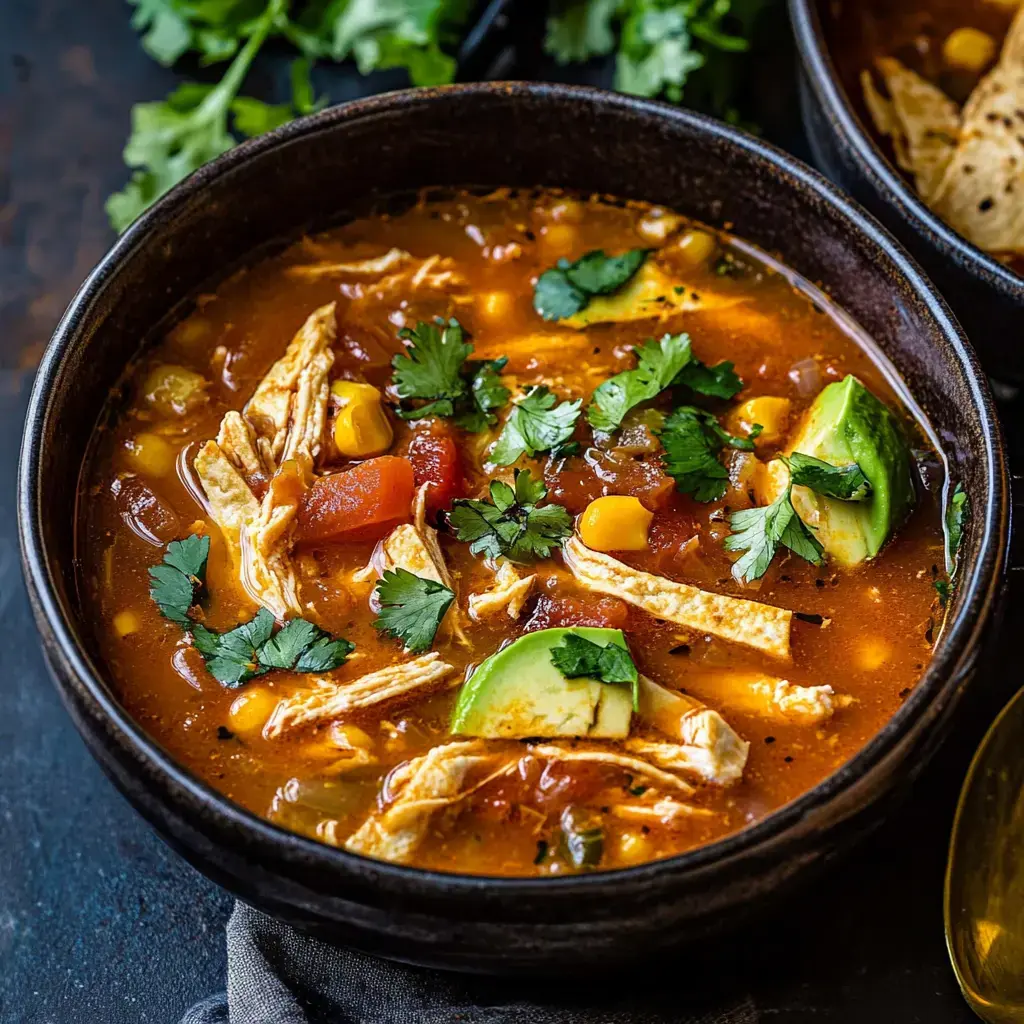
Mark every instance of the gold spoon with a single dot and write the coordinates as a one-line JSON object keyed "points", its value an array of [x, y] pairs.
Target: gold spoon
{"points": [[984, 901]]}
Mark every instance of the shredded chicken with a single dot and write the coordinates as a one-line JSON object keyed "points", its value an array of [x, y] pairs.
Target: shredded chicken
{"points": [[761, 626], [554, 752], [277, 437], [664, 811], [508, 594], [709, 749], [774, 698], [391, 260], [414, 792], [329, 699]]}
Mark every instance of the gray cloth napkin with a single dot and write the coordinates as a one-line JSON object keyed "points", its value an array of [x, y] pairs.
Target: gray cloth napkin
{"points": [[276, 975]]}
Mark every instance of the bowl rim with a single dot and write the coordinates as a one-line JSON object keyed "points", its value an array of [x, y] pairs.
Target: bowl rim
{"points": [[979, 587], [823, 78]]}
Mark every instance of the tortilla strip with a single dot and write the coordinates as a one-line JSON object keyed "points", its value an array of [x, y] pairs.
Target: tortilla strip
{"points": [[391, 260], [330, 700], [924, 124], [981, 194], [761, 626]]}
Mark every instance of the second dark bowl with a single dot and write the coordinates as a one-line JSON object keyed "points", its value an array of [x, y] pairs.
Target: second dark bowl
{"points": [[986, 296], [321, 169]]}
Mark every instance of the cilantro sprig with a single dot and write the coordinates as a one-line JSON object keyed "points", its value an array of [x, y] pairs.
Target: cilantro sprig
{"points": [[411, 608], [957, 513], [237, 655], [177, 582], [567, 288], [577, 656], [512, 524], [692, 439], [667, 362], [847, 483], [535, 424], [435, 368], [760, 532]]}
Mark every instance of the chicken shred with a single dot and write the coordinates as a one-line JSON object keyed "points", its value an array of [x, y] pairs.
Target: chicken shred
{"points": [[277, 437], [509, 593], [331, 700]]}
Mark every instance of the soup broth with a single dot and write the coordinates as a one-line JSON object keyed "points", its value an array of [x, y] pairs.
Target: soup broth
{"points": [[355, 485]]}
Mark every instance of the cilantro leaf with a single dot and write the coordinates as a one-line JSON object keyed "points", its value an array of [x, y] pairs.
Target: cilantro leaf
{"points": [[943, 589], [283, 650], [567, 287], [436, 368], [555, 297], [511, 524], [957, 513], [324, 654], [847, 483], [535, 425], [718, 381], [759, 532], [658, 365], [577, 656], [431, 367], [411, 608], [581, 30], [232, 657], [692, 439], [178, 580]]}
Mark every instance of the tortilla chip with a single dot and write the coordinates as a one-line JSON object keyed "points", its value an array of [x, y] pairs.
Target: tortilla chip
{"points": [[922, 121], [981, 194]]}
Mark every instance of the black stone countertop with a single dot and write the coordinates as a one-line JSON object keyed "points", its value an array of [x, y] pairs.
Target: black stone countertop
{"points": [[100, 923]]}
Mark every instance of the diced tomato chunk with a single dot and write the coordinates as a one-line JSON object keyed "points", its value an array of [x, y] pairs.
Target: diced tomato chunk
{"points": [[435, 460], [578, 610], [361, 503]]}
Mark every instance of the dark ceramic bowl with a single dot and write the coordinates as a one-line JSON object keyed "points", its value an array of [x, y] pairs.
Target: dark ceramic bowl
{"points": [[986, 296], [318, 170]]}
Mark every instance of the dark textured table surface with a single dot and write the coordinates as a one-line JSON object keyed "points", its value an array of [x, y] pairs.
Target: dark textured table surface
{"points": [[99, 922]]}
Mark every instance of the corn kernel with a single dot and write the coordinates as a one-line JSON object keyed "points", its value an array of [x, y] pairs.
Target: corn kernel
{"points": [[361, 427], [658, 225], [174, 390], [126, 622], [770, 412], [567, 210], [969, 49], [151, 455], [633, 847], [250, 710], [494, 307], [558, 239], [872, 654], [615, 523], [697, 247]]}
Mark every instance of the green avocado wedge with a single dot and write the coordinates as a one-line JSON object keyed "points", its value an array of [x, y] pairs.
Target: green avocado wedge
{"points": [[519, 693], [847, 424]]}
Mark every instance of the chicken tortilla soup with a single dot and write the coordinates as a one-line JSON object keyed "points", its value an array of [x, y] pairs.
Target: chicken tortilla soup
{"points": [[515, 534]]}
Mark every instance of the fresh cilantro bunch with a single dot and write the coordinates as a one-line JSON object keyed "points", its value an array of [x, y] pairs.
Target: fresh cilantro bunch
{"points": [[577, 656], [692, 439], [567, 288], [172, 138], [535, 424], [411, 608], [436, 369], [665, 48], [512, 524], [248, 650]]}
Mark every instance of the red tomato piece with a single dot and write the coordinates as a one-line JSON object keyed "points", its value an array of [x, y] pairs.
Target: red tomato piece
{"points": [[361, 503], [435, 460], [577, 610]]}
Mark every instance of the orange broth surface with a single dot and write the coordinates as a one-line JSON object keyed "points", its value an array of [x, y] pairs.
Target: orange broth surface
{"points": [[867, 632]]}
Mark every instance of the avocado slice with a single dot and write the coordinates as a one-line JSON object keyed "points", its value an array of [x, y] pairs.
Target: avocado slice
{"points": [[649, 293], [518, 693], [847, 424]]}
